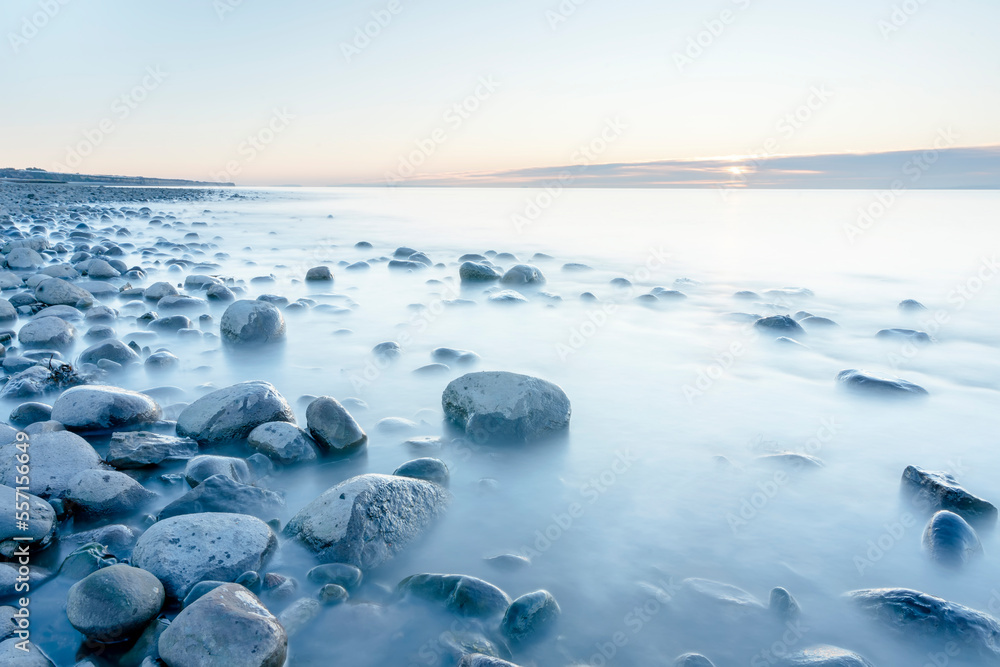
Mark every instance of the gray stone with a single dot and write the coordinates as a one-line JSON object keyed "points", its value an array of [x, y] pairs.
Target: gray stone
{"points": [[181, 302], [41, 524], [825, 656], [116, 538], [162, 360], [228, 627], [24, 259], [342, 574], [84, 561], [319, 273], [200, 589], [183, 550], [105, 493], [299, 614], [865, 382], [220, 293], [523, 274], [530, 617], [498, 406], [333, 427], [780, 324], [9, 574], [29, 413], [157, 291], [232, 413], [252, 322], [114, 603], [693, 660], [57, 292], [139, 449], [32, 381], [55, 459], [428, 469], [507, 296], [47, 332], [481, 660], [332, 594], [101, 407], [950, 541], [204, 466], [10, 654], [101, 270], [475, 272], [460, 594], [905, 336], [784, 605], [170, 324], [366, 520], [283, 442], [112, 350], [8, 313], [932, 491], [915, 615], [220, 493]]}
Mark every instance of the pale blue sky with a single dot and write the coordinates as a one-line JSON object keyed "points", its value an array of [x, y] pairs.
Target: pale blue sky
{"points": [[332, 121]]}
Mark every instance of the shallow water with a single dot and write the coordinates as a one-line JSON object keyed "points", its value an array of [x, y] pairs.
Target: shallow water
{"points": [[634, 495]]}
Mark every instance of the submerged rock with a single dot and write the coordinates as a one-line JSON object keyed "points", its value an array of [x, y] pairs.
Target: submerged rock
{"points": [[481, 660], [226, 627], [333, 427], [55, 458], [231, 413], [366, 520], [523, 274], [183, 550], [105, 493], [933, 491], [252, 322], [865, 382], [431, 470], [220, 493], [780, 324], [475, 272], [923, 617], [319, 274], [906, 335], [114, 603], [341, 574], [204, 466], [693, 660], [138, 449], [100, 407], [530, 617], [497, 406], [950, 541], [825, 656], [460, 594], [283, 442], [47, 332], [41, 527], [734, 601], [58, 292]]}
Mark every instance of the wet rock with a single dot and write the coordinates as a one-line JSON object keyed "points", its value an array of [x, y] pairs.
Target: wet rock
{"points": [[162, 360], [231, 413], [105, 493], [366, 520], [183, 550], [227, 627], [55, 459], [180, 302], [905, 335], [933, 491], [523, 274], [332, 594], [204, 466], [298, 615], [341, 574], [252, 322], [220, 293], [332, 427], [734, 602], [918, 616], [825, 656], [9, 579], [116, 538], [56, 292], [864, 382], [139, 449], [41, 527], [911, 306], [481, 660], [112, 350], [451, 356], [427, 469], [29, 413], [114, 603], [813, 323], [497, 406], [47, 332], [395, 425], [460, 594], [474, 272], [508, 562], [100, 407], [12, 654], [101, 270], [157, 291], [170, 324], [507, 296], [387, 350], [780, 324], [530, 617], [220, 493], [283, 442], [319, 274], [8, 314], [784, 605], [86, 560], [950, 541], [693, 660]]}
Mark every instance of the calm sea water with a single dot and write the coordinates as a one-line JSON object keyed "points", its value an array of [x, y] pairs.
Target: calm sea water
{"points": [[636, 497]]}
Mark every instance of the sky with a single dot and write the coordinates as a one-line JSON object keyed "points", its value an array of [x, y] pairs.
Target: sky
{"points": [[631, 92]]}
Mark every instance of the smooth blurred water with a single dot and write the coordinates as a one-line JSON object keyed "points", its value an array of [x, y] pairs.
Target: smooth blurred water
{"points": [[635, 494]]}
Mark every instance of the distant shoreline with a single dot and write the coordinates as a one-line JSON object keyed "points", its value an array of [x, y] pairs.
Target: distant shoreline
{"points": [[38, 176]]}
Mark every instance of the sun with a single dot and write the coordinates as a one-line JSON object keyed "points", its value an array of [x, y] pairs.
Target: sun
{"points": [[735, 171]]}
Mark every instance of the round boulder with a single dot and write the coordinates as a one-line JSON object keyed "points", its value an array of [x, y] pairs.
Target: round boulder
{"points": [[114, 603], [47, 332], [252, 322], [99, 407], [231, 413]]}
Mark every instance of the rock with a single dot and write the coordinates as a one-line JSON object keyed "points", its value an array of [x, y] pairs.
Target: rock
{"points": [[231, 413], [452, 356], [813, 323], [198, 281], [138, 449], [406, 265], [428, 469], [825, 656], [320, 274], [55, 459], [12, 654], [460, 594], [905, 335], [784, 605], [523, 274], [693, 660], [507, 562], [473, 272], [11, 576], [86, 560], [170, 324], [100, 407], [114, 603], [57, 292], [864, 382], [366, 520], [24, 259], [332, 594], [395, 425], [921, 617], [497, 406], [342, 574], [29, 413], [298, 615], [112, 350], [41, 527], [162, 360], [47, 332], [220, 493], [204, 466], [283, 442], [333, 427], [157, 291], [101, 270], [507, 296], [32, 381], [734, 602], [530, 617], [911, 306], [183, 550], [200, 589], [950, 541], [387, 350], [105, 493], [116, 538], [480, 660], [228, 627], [933, 491], [252, 322], [180, 302], [780, 324], [220, 293], [145, 651], [8, 313]]}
